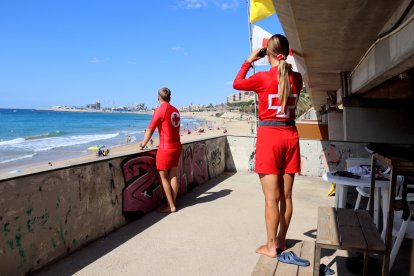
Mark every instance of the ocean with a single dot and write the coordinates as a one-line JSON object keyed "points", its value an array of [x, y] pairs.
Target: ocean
{"points": [[29, 136]]}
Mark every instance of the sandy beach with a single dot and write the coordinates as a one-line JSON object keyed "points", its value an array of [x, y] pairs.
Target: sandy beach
{"points": [[229, 123]]}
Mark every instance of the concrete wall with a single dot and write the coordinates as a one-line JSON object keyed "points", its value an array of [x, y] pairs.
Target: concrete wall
{"points": [[317, 156], [335, 125], [389, 57], [379, 125], [240, 153], [48, 215]]}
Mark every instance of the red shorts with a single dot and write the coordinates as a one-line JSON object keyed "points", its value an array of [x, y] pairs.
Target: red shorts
{"points": [[167, 158], [277, 150]]}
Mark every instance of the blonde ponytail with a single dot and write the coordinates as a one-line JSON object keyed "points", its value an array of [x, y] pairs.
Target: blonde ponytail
{"points": [[278, 47], [284, 88]]}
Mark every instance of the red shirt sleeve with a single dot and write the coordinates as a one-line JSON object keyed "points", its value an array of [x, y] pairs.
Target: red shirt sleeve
{"points": [[155, 120], [253, 83]]}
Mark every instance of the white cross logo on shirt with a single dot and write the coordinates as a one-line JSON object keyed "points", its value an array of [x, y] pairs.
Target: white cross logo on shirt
{"points": [[175, 119], [290, 108]]}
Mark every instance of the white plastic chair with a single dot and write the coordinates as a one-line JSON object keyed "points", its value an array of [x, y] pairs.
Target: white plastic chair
{"points": [[402, 229], [365, 191], [362, 192]]}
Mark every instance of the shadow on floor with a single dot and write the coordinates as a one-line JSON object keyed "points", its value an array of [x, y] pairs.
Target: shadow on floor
{"points": [[353, 264], [311, 233], [291, 243], [95, 250]]}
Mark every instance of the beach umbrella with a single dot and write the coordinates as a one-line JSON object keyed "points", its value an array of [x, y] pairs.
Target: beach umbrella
{"points": [[96, 147]]}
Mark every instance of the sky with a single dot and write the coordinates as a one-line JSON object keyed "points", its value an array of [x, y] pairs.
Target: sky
{"points": [[120, 52]]}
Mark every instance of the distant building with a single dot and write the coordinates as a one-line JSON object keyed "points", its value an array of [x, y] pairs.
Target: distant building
{"points": [[140, 106], [65, 107], [242, 96], [96, 106], [193, 107]]}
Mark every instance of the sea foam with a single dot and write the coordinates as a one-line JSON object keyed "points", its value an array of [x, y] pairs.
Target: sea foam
{"points": [[18, 158], [45, 144], [12, 142]]}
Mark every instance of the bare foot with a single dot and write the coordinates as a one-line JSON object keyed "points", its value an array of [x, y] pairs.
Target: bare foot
{"points": [[265, 250], [167, 209]]}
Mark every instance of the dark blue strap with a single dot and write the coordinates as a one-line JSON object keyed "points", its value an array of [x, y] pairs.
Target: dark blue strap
{"points": [[277, 123]]}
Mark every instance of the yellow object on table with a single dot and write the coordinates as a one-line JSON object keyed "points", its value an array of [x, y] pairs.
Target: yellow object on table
{"points": [[332, 190]]}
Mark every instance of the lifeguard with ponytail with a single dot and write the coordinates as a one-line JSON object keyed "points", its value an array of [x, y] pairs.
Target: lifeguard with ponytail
{"points": [[277, 147]]}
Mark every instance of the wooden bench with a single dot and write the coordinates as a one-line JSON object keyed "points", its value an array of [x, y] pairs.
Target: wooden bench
{"points": [[346, 229], [267, 266]]}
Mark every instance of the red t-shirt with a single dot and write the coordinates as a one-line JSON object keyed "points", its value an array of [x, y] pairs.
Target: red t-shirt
{"points": [[265, 84], [167, 119]]}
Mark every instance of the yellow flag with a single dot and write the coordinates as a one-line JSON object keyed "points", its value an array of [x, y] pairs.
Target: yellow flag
{"points": [[260, 9]]}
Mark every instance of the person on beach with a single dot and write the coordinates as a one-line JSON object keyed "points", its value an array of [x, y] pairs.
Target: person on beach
{"points": [[99, 153], [277, 147], [167, 119]]}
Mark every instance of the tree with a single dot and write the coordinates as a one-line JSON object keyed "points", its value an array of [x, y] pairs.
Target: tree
{"points": [[304, 103], [246, 107]]}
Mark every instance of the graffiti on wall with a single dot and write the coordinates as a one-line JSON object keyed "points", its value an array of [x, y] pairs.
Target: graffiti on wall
{"points": [[142, 192], [318, 157], [58, 211], [215, 158], [199, 162], [331, 155], [33, 217], [252, 161], [193, 166]]}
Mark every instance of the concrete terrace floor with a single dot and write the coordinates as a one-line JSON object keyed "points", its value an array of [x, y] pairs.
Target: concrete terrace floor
{"points": [[215, 232]]}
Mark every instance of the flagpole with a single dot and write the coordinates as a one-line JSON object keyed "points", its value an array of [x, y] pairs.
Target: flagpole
{"points": [[254, 67]]}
